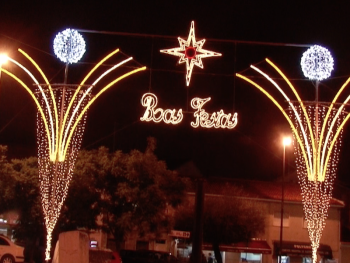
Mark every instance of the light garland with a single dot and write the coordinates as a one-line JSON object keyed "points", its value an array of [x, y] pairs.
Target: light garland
{"points": [[216, 119], [150, 101], [69, 46], [316, 150], [191, 52], [316, 194], [317, 63], [59, 137]]}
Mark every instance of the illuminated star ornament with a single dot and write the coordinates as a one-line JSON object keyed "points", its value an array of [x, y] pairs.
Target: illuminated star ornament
{"points": [[191, 52]]}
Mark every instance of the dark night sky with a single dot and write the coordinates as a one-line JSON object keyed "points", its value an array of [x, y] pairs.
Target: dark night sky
{"points": [[253, 149]]}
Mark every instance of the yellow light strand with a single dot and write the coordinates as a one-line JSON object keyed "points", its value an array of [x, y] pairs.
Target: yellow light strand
{"points": [[292, 106], [285, 115], [312, 167], [78, 89], [51, 93], [62, 156], [83, 97], [44, 96], [333, 142], [326, 120], [35, 100]]}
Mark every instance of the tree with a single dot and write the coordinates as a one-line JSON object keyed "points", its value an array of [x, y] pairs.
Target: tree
{"points": [[134, 190], [226, 218], [131, 190], [19, 192]]}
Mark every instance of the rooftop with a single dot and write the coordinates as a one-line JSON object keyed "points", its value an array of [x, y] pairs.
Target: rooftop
{"points": [[257, 190]]}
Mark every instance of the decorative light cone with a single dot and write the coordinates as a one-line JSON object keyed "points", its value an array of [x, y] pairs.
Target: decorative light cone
{"points": [[317, 130], [317, 187], [61, 119], [56, 166]]}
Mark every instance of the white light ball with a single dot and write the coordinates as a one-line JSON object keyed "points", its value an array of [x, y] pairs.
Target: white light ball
{"points": [[69, 46], [317, 63]]}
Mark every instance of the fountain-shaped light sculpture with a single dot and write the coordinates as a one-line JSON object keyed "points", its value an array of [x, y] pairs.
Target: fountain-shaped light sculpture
{"points": [[317, 128], [62, 110]]}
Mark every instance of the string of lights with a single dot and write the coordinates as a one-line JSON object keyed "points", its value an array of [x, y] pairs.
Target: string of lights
{"points": [[317, 130], [59, 136]]}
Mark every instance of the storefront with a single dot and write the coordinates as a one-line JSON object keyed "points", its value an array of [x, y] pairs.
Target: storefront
{"points": [[251, 251], [300, 252]]}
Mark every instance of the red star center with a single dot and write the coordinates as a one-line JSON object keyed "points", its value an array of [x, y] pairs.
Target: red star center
{"points": [[190, 52]]}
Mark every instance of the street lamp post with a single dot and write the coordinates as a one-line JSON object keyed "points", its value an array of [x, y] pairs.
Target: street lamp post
{"points": [[286, 141], [3, 59]]}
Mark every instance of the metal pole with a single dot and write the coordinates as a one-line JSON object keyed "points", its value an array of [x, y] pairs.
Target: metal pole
{"points": [[316, 127], [0, 74], [282, 203], [198, 224]]}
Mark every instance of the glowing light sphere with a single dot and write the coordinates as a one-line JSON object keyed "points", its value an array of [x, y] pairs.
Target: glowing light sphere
{"points": [[317, 63], [69, 46]]}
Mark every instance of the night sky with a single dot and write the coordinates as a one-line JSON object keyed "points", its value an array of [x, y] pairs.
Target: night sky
{"points": [[245, 32]]}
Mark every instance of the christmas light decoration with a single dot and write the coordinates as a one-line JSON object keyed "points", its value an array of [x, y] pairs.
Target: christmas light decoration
{"points": [[69, 46], [316, 150], [217, 119], [150, 101], [191, 52], [3, 59], [317, 63], [59, 135]]}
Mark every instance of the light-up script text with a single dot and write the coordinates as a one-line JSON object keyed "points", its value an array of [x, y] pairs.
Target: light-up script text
{"points": [[202, 118], [150, 101], [216, 119]]}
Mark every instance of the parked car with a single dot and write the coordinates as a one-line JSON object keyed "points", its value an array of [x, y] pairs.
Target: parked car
{"points": [[103, 255], [9, 251]]}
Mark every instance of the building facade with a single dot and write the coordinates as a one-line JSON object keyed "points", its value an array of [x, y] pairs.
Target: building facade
{"points": [[266, 247]]}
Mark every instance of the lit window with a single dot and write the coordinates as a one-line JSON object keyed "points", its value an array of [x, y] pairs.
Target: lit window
{"points": [[93, 243]]}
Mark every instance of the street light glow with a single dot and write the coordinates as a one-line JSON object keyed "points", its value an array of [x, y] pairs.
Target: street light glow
{"points": [[3, 59], [287, 141]]}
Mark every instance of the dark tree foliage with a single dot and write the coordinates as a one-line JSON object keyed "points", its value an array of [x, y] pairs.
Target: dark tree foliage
{"points": [[131, 191], [19, 194], [227, 219], [135, 190], [19, 191]]}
